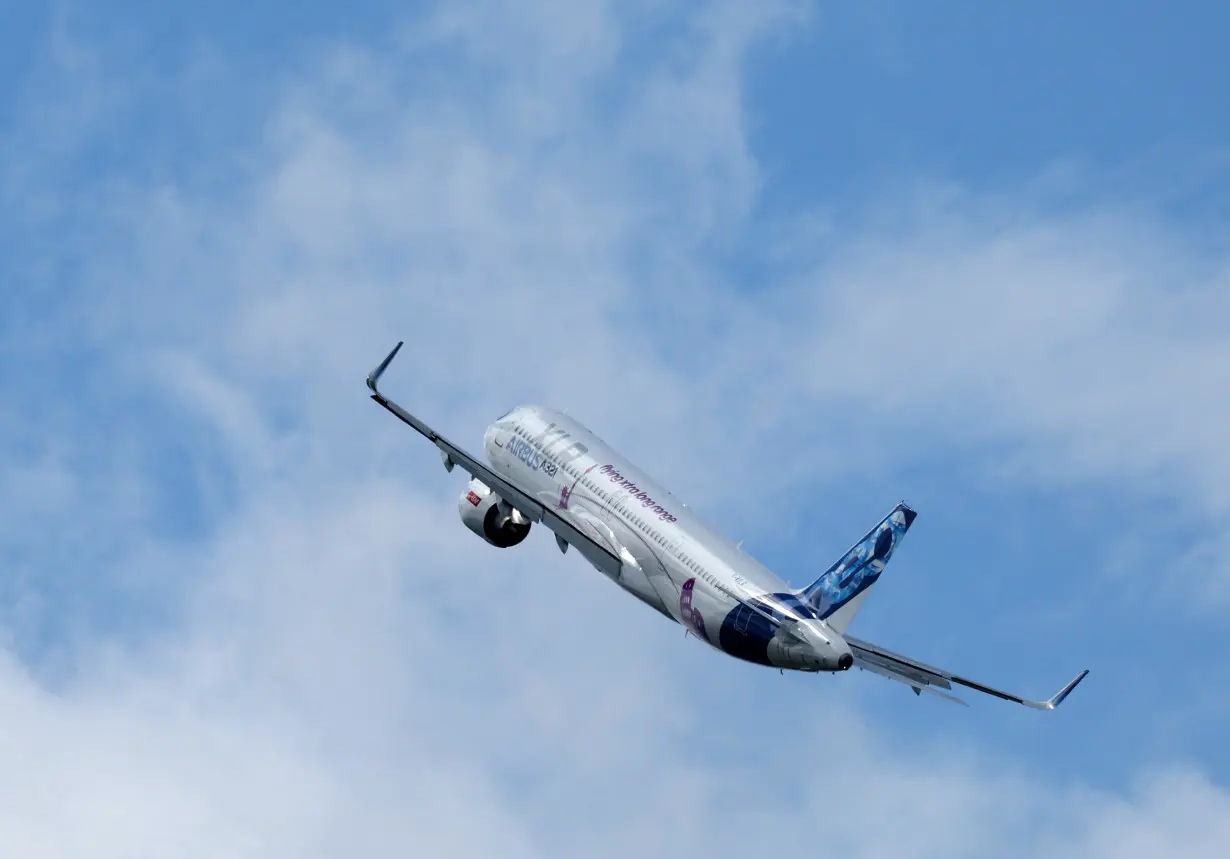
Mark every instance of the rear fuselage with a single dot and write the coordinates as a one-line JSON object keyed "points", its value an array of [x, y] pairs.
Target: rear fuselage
{"points": [[672, 561]]}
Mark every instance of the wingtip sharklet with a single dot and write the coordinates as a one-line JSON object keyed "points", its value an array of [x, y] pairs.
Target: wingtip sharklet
{"points": [[1057, 699], [374, 376]]}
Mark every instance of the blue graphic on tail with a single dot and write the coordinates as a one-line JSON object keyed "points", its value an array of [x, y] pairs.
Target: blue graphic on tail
{"points": [[859, 568]]}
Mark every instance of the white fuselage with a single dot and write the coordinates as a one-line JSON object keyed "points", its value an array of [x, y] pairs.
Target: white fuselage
{"points": [[671, 560]]}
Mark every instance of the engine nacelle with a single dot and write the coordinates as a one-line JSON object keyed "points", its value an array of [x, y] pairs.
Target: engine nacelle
{"points": [[491, 517]]}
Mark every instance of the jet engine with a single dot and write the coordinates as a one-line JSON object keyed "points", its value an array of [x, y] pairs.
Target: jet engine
{"points": [[491, 517]]}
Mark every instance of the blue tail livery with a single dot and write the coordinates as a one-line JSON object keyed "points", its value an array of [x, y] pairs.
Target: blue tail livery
{"points": [[837, 595]]}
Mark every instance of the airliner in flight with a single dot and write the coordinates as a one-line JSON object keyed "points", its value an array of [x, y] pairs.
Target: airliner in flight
{"points": [[544, 467]]}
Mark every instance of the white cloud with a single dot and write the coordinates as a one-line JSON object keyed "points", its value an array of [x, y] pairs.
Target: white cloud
{"points": [[1058, 347], [1093, 337], [339, 687], [345, 669]]}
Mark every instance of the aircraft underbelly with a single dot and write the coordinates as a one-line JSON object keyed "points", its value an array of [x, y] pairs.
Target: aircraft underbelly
{"points": [[647, 578], [643, 576]]}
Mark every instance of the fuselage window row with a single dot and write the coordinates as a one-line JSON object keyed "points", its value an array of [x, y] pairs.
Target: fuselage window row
{"points": [[619, 505]]}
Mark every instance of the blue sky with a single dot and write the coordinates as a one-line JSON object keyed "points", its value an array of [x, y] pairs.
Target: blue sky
{"points": [[797, 260], [987, 94]]}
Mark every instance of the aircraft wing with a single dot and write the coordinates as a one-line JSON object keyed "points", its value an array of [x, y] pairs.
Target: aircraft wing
{"points": [[922, 677], [532, 509]]}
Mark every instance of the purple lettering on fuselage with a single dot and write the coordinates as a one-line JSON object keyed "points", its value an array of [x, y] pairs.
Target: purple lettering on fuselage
{"points": [[638, 494]]}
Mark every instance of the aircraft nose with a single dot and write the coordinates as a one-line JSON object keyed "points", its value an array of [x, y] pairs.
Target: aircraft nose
{"points": [[845, 662]]}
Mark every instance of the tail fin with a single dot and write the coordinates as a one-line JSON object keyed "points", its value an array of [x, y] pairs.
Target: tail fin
{"points": [[839, 593]]}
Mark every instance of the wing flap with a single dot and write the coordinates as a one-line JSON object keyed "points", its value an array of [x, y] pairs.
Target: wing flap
{"points": [[532, 509], [906, 673], [909, 669], [919, 686]]}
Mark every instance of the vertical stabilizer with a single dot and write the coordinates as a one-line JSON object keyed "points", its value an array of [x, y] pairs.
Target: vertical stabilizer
{"points": [[839, 593]]}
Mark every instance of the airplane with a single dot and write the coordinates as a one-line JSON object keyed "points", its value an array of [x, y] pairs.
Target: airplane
{"points": [[545, 467]]}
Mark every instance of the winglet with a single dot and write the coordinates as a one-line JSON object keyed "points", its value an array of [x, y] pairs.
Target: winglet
{"points": [[1058, 697], [374, 376], [1065, 691]]}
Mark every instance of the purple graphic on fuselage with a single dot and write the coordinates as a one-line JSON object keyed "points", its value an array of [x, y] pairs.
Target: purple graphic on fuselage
{"points": [[563, 497], [692, 618]]}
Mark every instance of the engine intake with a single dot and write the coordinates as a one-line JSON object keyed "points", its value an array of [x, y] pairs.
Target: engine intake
{"points": [[491, 517]]}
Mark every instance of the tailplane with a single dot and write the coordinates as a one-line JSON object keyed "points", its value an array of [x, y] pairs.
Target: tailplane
{"points": [[839, 593]]}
